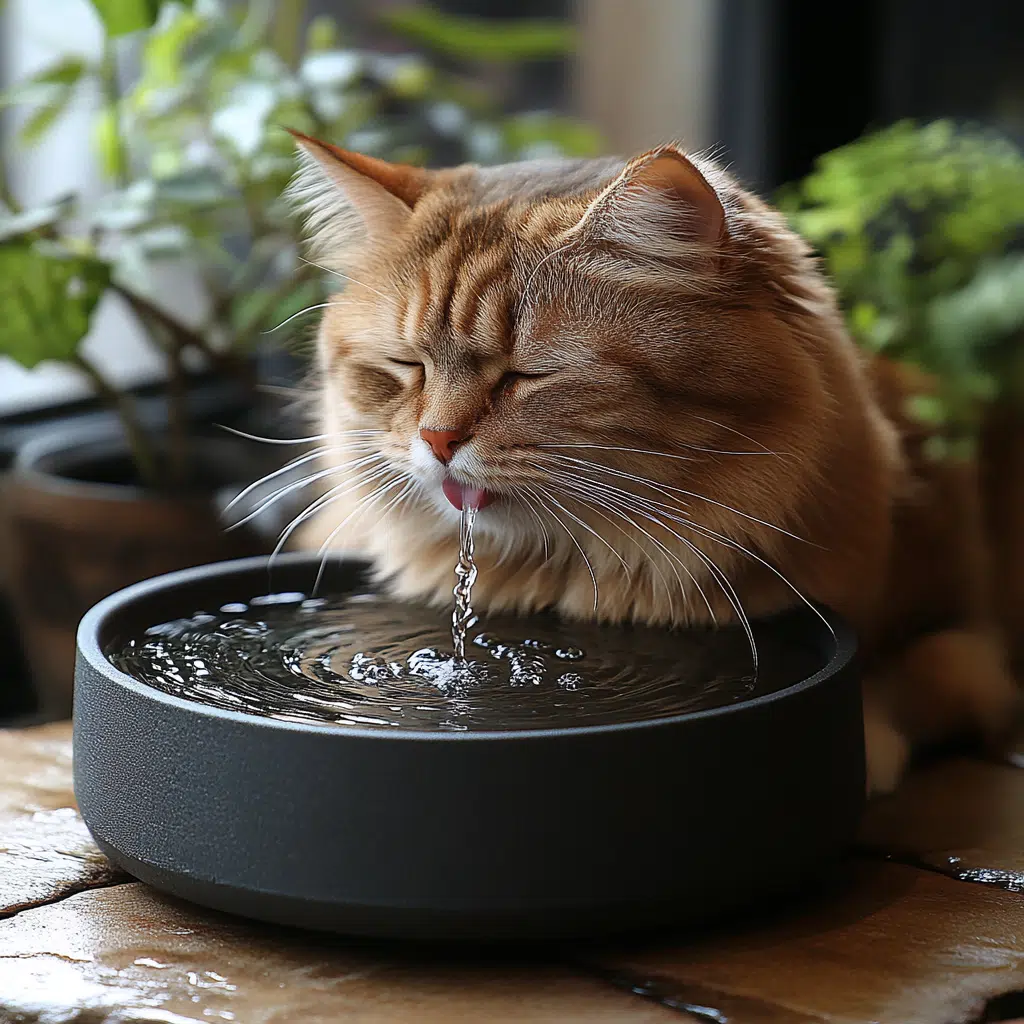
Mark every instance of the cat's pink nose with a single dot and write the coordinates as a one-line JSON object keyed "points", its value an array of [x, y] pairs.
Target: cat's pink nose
{"points": [[444, 442]]}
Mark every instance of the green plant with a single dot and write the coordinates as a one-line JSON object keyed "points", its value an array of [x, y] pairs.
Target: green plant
{"points": [[197, 159], [921, 227]]}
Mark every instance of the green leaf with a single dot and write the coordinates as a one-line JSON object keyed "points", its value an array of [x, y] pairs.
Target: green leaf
{"points": [[106, 137], [482, 39], [936, 448], [47, 299], [926, 409], [163, 240], [31, 220], [44, 87], [64, 73], [322, 34], [163, 53], [55, 98], [120, 17], [989, 308], [197, 186], [125, 209]]}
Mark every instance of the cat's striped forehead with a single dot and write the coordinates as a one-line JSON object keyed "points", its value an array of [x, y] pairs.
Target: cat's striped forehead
{"points": [[458, 299], [465, 285]]}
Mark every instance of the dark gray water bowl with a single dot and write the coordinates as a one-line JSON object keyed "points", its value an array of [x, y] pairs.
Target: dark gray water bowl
{"points": [[479, 835]]}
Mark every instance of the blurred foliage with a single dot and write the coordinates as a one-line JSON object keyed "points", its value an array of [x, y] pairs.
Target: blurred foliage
{"points": [[121, 17], [197, 158], [478, 38], [922, 230], [50, 294]]}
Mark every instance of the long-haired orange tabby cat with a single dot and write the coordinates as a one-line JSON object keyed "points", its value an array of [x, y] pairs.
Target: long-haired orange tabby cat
{"points": [[645, 372]]}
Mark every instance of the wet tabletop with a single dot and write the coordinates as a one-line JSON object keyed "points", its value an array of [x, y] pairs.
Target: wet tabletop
{"points": [[924, 924]]}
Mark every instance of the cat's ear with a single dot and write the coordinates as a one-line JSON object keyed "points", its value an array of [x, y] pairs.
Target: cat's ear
{"points": [[345, 195], [660, 196]]}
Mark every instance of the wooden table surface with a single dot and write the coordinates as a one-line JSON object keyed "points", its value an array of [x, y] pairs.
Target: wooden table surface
{"points": [[924, 924]]}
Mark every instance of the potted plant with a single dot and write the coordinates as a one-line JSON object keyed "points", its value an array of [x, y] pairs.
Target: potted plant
{"points": [[197, 160], [922, 230]]}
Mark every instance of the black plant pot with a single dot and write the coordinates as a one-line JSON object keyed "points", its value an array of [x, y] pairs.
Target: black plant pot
{"points": [[485, 835]]}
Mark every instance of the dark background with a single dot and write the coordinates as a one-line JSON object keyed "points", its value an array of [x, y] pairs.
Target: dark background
{"points": [[799, 78]]}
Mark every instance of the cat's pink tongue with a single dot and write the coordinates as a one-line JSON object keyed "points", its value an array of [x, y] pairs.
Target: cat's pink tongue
{"points": [[469, 497]]}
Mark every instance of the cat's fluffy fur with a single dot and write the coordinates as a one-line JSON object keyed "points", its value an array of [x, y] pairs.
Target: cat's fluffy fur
{"points": [[655, 380]]}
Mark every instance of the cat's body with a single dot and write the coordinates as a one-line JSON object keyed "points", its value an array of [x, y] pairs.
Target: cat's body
{"points": [[645, 373]]}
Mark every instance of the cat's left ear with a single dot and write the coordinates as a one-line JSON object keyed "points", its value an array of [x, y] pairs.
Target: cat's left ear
{"points": [[348, 196], [660, 195]]}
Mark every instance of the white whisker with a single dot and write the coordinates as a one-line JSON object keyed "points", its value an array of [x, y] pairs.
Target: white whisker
{"points": [[654, 485], [300, 440], [720, 538], [536, 271], [726, 541], [332, 495], [527, 504], [306, 481], [354, 446], [361, 507], [301, 312], [579, 547], [273, 440], [589, 530], [648, 451], [718, 575], [739, 433], [585, 499], [316, 453], [344, 277], [278, 494], [616, 504]]}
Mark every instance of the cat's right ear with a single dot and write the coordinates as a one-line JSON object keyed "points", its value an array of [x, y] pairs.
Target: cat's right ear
{"points": [[661, 200], [348, 197]]}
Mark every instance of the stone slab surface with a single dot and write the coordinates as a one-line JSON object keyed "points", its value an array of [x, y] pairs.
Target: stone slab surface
{"points": [[45, 849], [890, 944], [126, 954]]}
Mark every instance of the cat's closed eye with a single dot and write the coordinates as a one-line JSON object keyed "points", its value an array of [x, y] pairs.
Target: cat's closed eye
{"points": [[411, 363], [513, 377]]}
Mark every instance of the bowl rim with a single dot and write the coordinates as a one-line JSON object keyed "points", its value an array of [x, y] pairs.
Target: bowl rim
{"points": [[91, 624]]}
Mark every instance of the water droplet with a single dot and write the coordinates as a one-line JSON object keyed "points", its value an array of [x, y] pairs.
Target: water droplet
{"points": [[287, 597], [145, 961]]}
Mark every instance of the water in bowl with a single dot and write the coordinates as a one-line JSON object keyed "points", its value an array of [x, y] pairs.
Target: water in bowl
{"points": [[364, 660]]}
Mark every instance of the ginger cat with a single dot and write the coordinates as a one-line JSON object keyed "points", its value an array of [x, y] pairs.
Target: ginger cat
{"points": [[646, 375]]}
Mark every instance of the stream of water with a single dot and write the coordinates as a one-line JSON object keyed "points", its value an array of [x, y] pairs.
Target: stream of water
{"points": [[465, 576]]}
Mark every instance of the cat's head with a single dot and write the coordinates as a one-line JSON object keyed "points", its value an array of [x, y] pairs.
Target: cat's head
{"points": [[554, 333]]}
